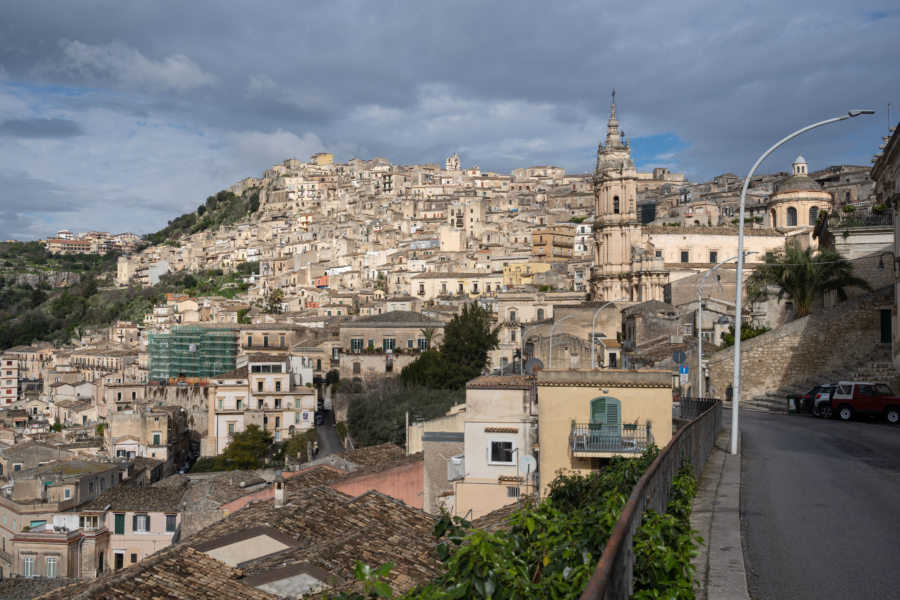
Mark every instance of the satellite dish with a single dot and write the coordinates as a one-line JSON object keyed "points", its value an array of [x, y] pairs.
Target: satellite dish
{"points": [[533, 365], [527, 464]]}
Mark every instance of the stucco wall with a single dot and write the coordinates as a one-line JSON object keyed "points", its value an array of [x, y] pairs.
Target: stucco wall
{"points": [[565, 396], [404, 483]]}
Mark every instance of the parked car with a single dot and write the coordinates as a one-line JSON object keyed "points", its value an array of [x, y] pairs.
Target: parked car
{"points": [[807, 400], [821, 401], [864, 397], [320, 418]]}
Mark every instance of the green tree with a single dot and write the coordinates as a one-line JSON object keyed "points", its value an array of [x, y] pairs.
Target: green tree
{"points": [[428, 333], [468, 338], [272, 304], [247, 449], [803, 275]]}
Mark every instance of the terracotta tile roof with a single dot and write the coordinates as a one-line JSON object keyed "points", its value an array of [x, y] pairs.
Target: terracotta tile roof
{"points": [[138, 498], [16, 588], [373, 455], [184, 573], [498, 519], [515, 382]]}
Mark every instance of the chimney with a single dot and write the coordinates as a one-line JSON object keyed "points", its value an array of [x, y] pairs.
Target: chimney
{"points": [[279, 489]]}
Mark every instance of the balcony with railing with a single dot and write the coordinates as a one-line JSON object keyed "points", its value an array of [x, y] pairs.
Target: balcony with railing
{"points": [[598, 440]]}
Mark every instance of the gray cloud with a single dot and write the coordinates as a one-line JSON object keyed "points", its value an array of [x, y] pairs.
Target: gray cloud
{"points": [[176, 102], [40, 128]]}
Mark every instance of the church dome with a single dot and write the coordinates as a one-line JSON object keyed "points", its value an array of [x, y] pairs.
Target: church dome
{"points": [[800, 183]]}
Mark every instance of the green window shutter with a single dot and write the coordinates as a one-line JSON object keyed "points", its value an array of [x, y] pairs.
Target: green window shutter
{"points": [[598, 410], [613, 412], [120, 523]]}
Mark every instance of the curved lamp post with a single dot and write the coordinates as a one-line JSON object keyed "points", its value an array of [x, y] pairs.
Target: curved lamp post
{"points": [[736, 382], [700, 321], [551, 337], [593, 322]]}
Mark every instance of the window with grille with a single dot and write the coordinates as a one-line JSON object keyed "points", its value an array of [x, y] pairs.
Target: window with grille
{"points": [[513, 491]]}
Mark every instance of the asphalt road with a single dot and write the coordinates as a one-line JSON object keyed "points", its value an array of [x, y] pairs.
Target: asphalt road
{"points": [[329, 440], [820, 507]]}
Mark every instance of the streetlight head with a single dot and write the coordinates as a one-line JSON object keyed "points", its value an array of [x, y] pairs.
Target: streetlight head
{"points": [[856, 113]]}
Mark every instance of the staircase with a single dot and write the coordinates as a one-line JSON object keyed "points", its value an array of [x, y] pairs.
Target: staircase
{"points": [[877, 368]]}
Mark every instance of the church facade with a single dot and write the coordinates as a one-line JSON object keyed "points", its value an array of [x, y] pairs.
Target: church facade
{"points": [[624, 269]]}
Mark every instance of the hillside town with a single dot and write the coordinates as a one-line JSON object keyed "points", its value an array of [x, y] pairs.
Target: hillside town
{"points": [[349, 272]]}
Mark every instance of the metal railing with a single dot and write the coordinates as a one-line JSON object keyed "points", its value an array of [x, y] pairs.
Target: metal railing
{"points": [[618, 439], [691, 408], [613, 577]]}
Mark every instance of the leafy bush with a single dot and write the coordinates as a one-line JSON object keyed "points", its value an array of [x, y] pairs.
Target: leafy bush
{"points": [[550, 550]]}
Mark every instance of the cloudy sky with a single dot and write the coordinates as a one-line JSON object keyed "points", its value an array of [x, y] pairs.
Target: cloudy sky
{"points": [[119, 116]]}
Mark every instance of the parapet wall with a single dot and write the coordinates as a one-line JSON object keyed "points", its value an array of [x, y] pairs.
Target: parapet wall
{"points": [[844, 334]]}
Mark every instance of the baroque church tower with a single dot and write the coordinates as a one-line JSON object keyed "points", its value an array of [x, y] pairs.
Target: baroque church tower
{"points": [[622, 269]]}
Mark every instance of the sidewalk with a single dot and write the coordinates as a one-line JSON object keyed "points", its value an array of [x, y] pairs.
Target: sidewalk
{"points": [[716, 516]]}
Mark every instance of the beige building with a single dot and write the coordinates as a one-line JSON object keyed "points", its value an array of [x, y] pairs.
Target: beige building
{"points": [[553, 243], [585, 417], [159, 432], [623, 268], [500, 432], [797, 201], [9, 379], [262, 394]]}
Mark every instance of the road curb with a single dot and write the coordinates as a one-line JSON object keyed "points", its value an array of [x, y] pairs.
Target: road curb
{"points": [[715, 514]]}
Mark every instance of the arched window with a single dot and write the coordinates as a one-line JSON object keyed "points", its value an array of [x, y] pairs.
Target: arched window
{"points": [[774, 220], [791, 216], [540, 314], [606, 411], [615, 205], [847, 196], [813, 214]]}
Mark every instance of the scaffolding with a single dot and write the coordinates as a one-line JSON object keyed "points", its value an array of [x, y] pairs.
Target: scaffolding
{"points": [[192, 353]]}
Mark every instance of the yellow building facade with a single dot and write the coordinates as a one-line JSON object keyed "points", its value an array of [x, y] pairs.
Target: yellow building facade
{"points": [[587, 417]]}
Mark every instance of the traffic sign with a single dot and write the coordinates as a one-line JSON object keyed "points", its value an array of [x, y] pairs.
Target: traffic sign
{"points": [[679, 357], [683, 378], [683, 369]]}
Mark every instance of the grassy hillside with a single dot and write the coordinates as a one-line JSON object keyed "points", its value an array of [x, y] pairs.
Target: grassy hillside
{"points": [[224, 208]]}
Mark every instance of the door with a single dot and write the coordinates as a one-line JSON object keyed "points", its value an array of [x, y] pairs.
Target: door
{"points": [[885, 325], [120, 560]]}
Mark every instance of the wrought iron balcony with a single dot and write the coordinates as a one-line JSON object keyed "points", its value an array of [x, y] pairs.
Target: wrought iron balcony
{"points": [[598, 440]]}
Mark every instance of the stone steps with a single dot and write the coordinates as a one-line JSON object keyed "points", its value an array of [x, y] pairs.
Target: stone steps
{"points": [[877, 369]]}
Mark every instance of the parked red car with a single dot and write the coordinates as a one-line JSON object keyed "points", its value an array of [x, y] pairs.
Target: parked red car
{"points": [[852, 397]]}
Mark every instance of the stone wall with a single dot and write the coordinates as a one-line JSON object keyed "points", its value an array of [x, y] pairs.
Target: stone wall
{"points": [[192, 399], [845, 334]]}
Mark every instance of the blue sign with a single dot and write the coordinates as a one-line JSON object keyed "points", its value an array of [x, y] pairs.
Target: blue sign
{"points": [[683, 369]]}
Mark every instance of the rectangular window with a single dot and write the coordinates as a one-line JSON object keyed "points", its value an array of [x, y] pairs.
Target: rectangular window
{"points": [[277, 386], [140, 523], [685, 256], [67, 493], [501, 452], [423, 344], [713, 256], [231, 429], [239, 404], [51, 566], [356, 344], [259, 386], [119, 519], [249, 340], [28, 569], [512, 491], [388, 344], [157, 438], [133, 558], [170, 522], [409, 344]]}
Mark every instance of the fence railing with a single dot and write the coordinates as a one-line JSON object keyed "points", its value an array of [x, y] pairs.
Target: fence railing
{"points": [[691, 408], [613, 577], [617, 439]]}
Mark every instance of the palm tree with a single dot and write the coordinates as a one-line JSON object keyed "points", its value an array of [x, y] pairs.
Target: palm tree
{"points": [[803, 275], [428, 333]]}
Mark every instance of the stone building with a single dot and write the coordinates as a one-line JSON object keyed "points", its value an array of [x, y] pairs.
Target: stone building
{"points": [[798, 200], [623, 268]]}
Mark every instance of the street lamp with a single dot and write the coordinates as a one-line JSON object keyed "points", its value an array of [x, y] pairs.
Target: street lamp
{"points": [[593, 321], [551, 337], [736, 383], [700, 320]]}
